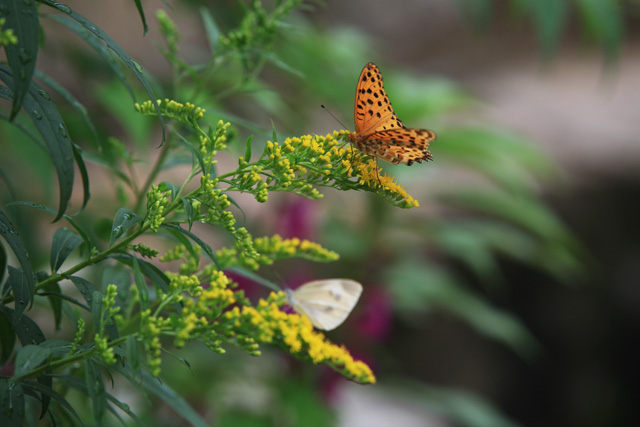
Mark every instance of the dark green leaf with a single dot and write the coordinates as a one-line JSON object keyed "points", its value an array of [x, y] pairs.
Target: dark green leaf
{"points": [[96, 310], [47, 119], [175, 189], [168, 395], [12, 408], [142, 17], [51, 211], [27, 330], [21, 293], [140, 284], [10, 234], [7, 339], [85, 287], [22, 18], [133, 355], [95, 389], [196, 153], [64, 93], [188, 210], [133, 66], [206, 248], [63, 244], [29, 358], [84, 175], [4, 260], [54, 293], [157, 277], [124, 220], [46, 390]]}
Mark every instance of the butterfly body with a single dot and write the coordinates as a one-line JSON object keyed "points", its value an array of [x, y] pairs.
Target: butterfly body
{"points": [[379, 132], [326, 303]]}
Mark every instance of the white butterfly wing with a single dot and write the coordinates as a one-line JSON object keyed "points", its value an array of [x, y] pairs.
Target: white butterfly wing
{"points": [[326, 303]]}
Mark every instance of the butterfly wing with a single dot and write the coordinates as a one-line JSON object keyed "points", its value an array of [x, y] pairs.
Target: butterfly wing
{"points": [[399, 145], [373, 110], [326, 303], [379, 131]]}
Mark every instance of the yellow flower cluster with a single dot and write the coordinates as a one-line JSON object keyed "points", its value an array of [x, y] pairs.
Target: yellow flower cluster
{"points": [[370, 175], [187, 113], [294, 332]]}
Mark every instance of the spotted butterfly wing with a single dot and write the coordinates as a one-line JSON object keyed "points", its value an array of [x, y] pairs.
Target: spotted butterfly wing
{"points": [[379, 132], [326, 303]]}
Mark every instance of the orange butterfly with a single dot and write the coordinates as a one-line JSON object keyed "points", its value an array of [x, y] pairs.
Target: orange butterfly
{"points": [[379, 132]]}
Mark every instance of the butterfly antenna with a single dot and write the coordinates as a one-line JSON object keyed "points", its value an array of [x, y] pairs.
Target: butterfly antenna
{"points": [[331, 114]]}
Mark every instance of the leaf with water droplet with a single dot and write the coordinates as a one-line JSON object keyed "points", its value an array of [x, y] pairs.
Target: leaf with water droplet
{"points": [[123, 221]]}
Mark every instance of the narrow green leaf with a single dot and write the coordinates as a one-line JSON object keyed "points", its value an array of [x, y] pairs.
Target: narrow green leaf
{"points": [[47, 209], [67, 96], [4, 261], [29, 358], [96, 310], [247, 149], [124, 220], [84, 175], [274, 135], [168, 395], [206, 248], [27, 331], [211, 28], [46, 390], [194, 151], [21, 292], [22, 18], [86, 288], [96, 391], [7, 339], [63, 244], [54, 293], [12, 408], [10, 234], [143, 292], [142, 17], [157, 277], [133, 66], [133, 355], [188, 210], [48, 121], [175, 189]]}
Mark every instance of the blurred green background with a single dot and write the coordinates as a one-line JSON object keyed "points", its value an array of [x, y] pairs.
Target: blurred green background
{"points": [[509, 297]]}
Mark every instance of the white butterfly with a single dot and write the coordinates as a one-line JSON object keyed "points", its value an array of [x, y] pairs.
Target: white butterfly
{"points": [[326, 303]]}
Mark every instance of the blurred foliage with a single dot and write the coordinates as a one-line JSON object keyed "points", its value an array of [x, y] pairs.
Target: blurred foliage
{"points": [[479, 202]]}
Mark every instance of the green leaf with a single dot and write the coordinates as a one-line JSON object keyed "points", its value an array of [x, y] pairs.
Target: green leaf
{"points": [[22, 18], [96, 310], [29, 358], [84, 175], [54, 294], [12, 408], [157, 277], [175, 189], [133, 66], [95, 389], [86, 288], [47, 119], [46, 390], [166, 394], [247, 149], [124, 220], [142, 17], [63, 244], [7, 339], [27, 330], [206, 248], [211, 28], [21, 293], [67, 96], [10, 234], [71, 221], [133, 355], [4, 261], [194, 151], [188, 210], [143, 292]]}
